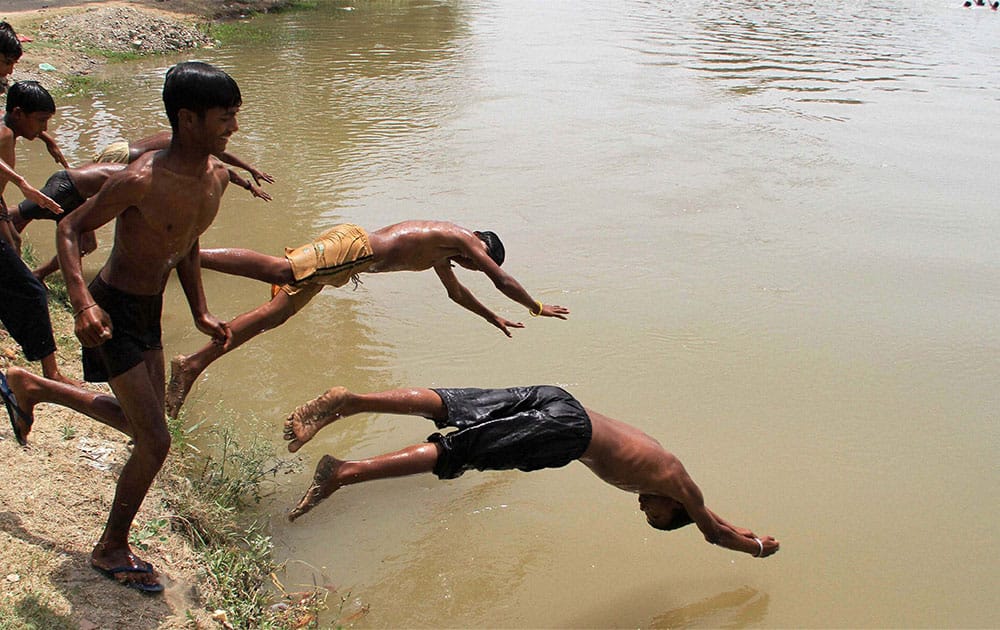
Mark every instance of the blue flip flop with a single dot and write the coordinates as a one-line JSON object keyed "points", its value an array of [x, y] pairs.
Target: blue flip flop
{"points": [[142, 587], [13, 410]]}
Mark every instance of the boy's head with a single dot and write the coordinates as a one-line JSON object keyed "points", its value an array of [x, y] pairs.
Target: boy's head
{"points": [[10, 53], [29, 108], [494, 248], [663, 513], [198, 87]]}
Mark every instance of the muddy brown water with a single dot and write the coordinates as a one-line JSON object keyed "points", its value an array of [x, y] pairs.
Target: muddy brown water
{"points": [[775, 226]]}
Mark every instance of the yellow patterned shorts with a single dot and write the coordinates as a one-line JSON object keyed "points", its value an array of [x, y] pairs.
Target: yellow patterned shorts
{"points": [[332, 259]]}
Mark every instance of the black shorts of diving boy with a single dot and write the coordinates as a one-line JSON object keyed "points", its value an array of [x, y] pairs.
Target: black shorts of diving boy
{"points": [[523, 428]]}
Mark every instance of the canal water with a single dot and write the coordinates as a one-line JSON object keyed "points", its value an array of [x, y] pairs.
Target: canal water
{"points": [[775, 225]]}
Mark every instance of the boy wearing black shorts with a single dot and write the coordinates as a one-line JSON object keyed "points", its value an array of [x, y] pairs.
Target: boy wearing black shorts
{"points": [[527, 428]]}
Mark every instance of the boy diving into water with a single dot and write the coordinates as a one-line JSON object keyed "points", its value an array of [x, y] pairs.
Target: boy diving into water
{"points": [[527, 428], [337, 256]]}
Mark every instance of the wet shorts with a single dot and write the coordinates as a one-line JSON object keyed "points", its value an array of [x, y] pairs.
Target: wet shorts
{"points": [[135, 322], [526, 428], [332, 259], [62, 190]]}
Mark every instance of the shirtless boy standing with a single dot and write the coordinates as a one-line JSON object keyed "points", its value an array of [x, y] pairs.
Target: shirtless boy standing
{"points": [[527, 428], [337, 256], [161, 203]]}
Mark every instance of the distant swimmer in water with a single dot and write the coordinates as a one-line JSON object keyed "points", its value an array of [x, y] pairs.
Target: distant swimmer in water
{"points": [[524, 428]]}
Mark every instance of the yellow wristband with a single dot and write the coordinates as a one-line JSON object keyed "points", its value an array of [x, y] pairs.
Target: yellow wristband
{"points": [[540, 307]]}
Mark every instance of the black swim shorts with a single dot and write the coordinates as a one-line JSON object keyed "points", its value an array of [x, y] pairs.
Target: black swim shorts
{"points": [[526, 428], [62, 190], [135, 321]]}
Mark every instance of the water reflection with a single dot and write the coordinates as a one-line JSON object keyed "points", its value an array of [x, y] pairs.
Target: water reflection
{"points": [[742, 608]]}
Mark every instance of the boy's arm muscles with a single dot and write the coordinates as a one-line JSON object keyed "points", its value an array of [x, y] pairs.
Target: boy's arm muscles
{"points": [[189, 274]]}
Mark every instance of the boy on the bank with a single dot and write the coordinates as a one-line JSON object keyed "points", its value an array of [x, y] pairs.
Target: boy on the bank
{"points": [[161, 204], [524, 428], [24, 308]]}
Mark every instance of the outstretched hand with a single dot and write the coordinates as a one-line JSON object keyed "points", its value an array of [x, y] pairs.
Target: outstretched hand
{"points": [[260, 175], [504, 324], [553, 310], [259, 192], [770, 546], [33, 194]]}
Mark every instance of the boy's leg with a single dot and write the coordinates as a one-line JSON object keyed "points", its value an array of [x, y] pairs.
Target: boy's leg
{"points": [[139, 392], [247, 263], [332, 473], [31, 389], [337, 402], [184, 370]]}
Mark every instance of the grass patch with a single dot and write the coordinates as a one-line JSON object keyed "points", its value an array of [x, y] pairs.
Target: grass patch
{"points": [[223, 479], [230, 33], [76, 84], [32, 613]]}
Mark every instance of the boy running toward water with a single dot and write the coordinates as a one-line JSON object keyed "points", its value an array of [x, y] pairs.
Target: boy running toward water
{"points": [[527, 428], [337, 256], [24, 308], [161, 204]]}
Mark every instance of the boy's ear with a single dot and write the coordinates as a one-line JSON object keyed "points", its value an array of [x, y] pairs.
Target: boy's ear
{"points": [[186, 117]]}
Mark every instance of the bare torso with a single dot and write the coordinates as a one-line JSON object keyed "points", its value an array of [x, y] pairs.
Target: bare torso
{"points": [[154, 235], [628, 458], [417, 245]]}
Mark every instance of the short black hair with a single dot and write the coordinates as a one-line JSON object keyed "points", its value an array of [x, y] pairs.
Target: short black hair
{"points": [[494, 248], [10, 45], [679, 520], [31, 97], [198, 86]]}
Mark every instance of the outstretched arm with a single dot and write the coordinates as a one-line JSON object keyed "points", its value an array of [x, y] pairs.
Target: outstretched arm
{"points": [[715, 529], [254, 189], [256, 173], [463, 297], [53, 148], [510, 287], [30, 192]]}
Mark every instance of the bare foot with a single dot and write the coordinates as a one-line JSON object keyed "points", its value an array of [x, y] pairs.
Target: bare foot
{"points": [[303, 423], [323, 485], [182, 378], [20, 405]]}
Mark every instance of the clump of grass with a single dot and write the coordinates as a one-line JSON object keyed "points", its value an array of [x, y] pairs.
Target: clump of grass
{"points": [[229, 33], [76, 84], [219, 482]]}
